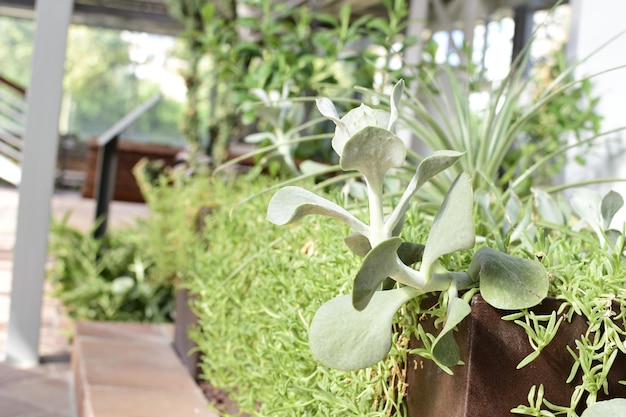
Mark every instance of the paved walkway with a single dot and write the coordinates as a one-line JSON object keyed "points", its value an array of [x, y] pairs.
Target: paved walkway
{"points": [[45, 390]]}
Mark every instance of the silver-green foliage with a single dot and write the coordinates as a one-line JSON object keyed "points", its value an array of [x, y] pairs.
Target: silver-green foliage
{"points": [[111, 278], [349, 333]]}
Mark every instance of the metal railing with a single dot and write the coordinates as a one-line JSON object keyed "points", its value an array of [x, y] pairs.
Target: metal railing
{"points": [[12, 122], [107, 162]]}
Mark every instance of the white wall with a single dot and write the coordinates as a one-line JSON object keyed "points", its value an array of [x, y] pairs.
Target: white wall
{"points": [[594, 22]]}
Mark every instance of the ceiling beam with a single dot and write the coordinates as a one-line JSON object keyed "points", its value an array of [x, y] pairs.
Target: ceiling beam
{"points": [[149, 16]]}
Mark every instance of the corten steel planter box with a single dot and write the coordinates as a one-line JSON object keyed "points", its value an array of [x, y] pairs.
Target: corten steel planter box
{"points": [[128, 154], [184, 319], [488, 384]]}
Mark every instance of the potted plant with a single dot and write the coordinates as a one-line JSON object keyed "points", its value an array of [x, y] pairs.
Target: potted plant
{"points": [[356, 331]]}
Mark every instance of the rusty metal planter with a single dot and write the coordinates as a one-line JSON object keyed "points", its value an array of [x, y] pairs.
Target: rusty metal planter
{"points": [[489, 385]]}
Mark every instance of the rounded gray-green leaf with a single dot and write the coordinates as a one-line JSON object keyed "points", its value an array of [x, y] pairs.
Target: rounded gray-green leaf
{"points": [[611, 204], [508, 282], [358, 244], [408, 252], [290, 204], [378, 264], [343, 338], [609, 408], [586, 203], [328, 110], [373, 151], [548, 207]]}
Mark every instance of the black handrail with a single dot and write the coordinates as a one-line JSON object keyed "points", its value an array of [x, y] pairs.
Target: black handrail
{"points": [[13, 86], [107, 162]]}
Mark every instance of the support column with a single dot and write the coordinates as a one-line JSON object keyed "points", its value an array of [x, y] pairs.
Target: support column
{"points": [[418, 16], [52, 18], [524, 27], [598, 37]]}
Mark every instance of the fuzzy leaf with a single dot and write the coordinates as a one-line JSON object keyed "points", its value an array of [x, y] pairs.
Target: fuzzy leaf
{"points": [[611, 204], [445, 349], [614, 237], [373, 151], [258, 137], [428, 168], [290, 204], [377, 265], [453, 226], [434, 164], [327, 109], [394, 103], [346, 339], [408, 252], [358, 244], [310, 167], [586, 204], [548, 208], [380, 262], [508, 282], [354, 121], [608, 408]]}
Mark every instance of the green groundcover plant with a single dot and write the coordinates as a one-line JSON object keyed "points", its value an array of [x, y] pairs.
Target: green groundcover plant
{"points": [[252, 292], [588, 275], [356, 331]]}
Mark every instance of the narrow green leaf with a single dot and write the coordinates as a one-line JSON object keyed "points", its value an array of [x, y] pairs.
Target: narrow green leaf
{"points": [[508, 282], [609, 408], [453, 226], [346, 339]]}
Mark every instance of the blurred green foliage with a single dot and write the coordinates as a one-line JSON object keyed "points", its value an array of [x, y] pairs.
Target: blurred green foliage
{"points": [[109, 278]]}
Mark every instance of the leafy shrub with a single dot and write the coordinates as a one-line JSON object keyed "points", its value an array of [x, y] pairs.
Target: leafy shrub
{"points": [[108, 278]]}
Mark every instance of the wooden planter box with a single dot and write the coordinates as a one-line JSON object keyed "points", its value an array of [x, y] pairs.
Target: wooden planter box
{"points": [[488, 384], [129, 153]]}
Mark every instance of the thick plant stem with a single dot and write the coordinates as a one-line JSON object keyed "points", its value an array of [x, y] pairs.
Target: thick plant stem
{"points": [[377, 225]]}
